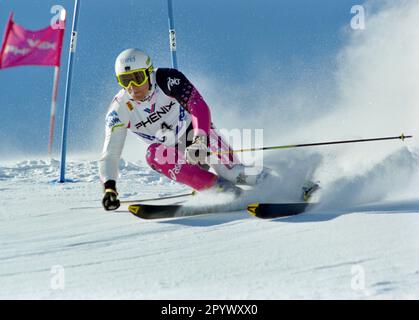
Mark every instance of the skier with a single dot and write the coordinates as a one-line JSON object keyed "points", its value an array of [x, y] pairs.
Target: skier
{"points": [[164, 109]]}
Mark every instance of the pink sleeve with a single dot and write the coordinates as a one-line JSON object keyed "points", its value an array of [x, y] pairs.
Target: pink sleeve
{"points": [[201, 114]]}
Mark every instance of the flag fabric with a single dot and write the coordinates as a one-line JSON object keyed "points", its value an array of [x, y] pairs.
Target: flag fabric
{"points": [[25, 47]]}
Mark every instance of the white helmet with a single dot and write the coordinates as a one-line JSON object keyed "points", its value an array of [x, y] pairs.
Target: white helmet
{"points": [[134, 59], [131, 59]]}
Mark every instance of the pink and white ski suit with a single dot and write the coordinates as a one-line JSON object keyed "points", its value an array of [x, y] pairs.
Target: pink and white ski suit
{"points": [[167, 120]]}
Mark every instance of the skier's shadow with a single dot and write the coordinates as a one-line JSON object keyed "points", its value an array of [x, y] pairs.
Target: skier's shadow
{"points": [[327, 213]]}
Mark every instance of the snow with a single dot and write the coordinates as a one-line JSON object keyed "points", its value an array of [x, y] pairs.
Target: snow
{"points": [[361, 242], [358, 251]]}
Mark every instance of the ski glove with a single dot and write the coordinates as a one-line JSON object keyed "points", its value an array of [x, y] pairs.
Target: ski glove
{"points": [[110, 199], [197, 152]]}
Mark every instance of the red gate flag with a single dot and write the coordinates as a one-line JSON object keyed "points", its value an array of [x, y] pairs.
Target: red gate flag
{"points": [[24, 47]]}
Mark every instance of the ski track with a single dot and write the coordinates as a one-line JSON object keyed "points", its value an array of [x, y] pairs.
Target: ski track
{"points": [[318, 254]]}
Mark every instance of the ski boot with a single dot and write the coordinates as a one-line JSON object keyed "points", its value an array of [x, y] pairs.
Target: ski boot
{"points": [[225, 186], [309, 188], [254, 180], [264, 175]]}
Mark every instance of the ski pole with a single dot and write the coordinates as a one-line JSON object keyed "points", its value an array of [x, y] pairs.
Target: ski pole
{"points": [[401, 137], [160, 198], [140, 200]]}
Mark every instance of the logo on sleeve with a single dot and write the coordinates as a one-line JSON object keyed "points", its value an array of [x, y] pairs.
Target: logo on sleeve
{"points": [[112, 120], [172, 82]]}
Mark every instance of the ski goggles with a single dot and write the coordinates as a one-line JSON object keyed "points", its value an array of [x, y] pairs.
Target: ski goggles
{"points": [[137, 77]]}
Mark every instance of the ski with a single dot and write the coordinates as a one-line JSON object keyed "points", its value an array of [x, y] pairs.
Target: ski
{"points": [[258, 210], [156, 211], [164, 198], [276, 210]]}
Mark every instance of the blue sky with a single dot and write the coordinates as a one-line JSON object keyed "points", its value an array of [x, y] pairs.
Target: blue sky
{"points": [[228, 41]]}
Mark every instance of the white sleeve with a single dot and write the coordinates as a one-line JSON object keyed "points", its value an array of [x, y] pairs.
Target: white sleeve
{"points": [[116, 133]]}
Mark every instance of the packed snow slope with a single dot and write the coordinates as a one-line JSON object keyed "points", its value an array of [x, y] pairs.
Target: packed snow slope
{"points": [[48, 230], [360, 242]]}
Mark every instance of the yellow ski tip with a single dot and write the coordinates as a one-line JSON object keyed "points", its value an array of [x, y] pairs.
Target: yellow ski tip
{"points": [[252, 208], [134, 209]]}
